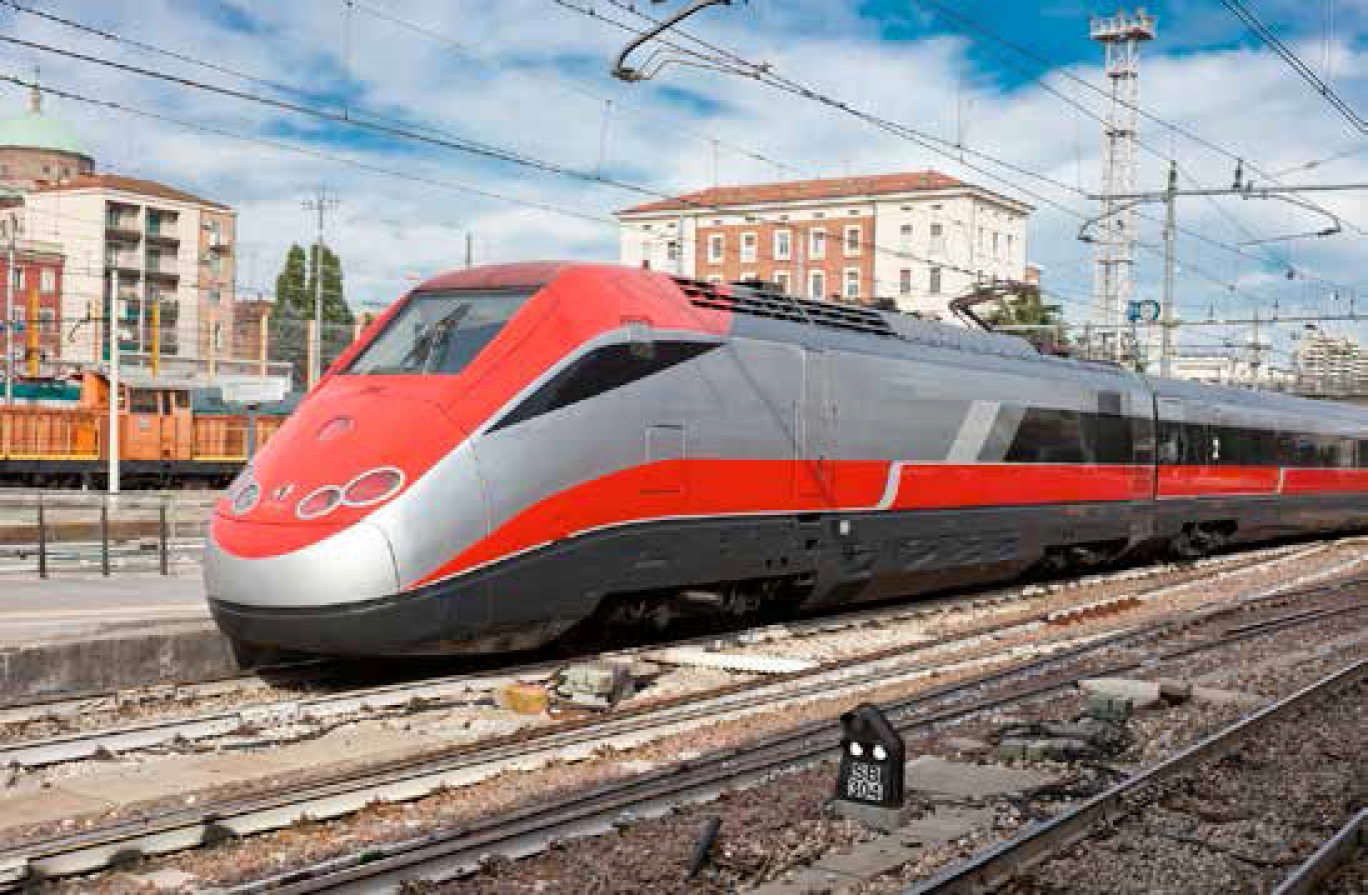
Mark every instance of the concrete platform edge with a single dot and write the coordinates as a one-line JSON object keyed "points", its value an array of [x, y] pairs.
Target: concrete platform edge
{"points": [[114, 661]]}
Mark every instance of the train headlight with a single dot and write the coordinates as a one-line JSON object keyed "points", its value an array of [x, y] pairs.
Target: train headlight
{"points": [[244, 493], [373, 486], [319, 503]]}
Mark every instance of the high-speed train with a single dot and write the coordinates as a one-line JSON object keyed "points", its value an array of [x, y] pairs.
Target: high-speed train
{"points": [[512, 449]]}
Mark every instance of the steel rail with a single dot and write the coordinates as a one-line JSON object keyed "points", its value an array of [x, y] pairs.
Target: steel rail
{"points": [[444, 856], [999, 865], [184, 829], [76, 746], [401, 780], [1334, 853]]}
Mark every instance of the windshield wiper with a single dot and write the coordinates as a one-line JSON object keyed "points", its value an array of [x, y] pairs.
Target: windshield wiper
{"points": [[428, 338]]}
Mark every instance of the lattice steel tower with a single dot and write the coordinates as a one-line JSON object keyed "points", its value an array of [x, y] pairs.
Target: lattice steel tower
{"points": [[1120, 36]]}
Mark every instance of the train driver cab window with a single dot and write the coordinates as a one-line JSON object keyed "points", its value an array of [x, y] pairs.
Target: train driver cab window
{"points": [[144, 400], [439, 332]]}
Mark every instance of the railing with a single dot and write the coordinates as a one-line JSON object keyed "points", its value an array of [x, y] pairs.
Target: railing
{"points": [[51, 531]]}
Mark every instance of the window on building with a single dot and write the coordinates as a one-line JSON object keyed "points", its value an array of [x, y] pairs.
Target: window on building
{"points": [[935, 285], [48, 280], [817, 284], [905, 281], [817, 243], [717, 244], [672, 250], [715, 279], [905, 237], [215, 297], [782, 280], [852, 240], [854, 212], [982, 239], [997, 250], [749, 241], [647, 251], [748, 275], [17, 278], [852, 282], [783, 245], [938, 239], [1009, 246], [819, 214]]}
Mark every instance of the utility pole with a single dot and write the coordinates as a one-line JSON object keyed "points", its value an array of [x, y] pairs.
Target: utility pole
{"points": [[322, 204], [469, 250], [1170, 261], [112, 327], [11, 226]]}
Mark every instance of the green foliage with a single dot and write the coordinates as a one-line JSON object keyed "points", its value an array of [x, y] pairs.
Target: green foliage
{"points": [[1029, 309], [294, 306]]}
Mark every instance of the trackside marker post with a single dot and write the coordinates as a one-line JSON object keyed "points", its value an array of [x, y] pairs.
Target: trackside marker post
{"points": [[870, 785]]}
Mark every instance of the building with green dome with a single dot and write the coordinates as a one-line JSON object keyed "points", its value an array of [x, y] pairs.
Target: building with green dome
{"points": [[38, 150]]}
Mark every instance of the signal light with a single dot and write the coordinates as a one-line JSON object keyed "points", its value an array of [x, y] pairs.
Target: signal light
{"points": [[373, 486]]}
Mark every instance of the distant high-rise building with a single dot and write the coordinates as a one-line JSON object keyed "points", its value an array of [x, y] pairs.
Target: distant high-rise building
{"points": [[1329, 364]]}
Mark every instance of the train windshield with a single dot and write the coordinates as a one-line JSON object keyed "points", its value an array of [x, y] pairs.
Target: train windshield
{"points": [[439, 332]]}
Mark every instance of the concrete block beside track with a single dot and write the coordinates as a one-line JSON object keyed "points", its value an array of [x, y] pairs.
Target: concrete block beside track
{"points": [[81, 635], [113, 660]]}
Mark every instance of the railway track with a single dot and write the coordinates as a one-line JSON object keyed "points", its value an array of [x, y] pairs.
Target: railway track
{"points": [[446, 854], [453, 689], [996, 868], [1345, 846]]}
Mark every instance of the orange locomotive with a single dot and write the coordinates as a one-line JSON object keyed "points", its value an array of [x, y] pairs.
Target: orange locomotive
{"points": [[168, 434]]}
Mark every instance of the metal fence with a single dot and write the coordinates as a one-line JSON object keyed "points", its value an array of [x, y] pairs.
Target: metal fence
{"points": [[54, 532]]}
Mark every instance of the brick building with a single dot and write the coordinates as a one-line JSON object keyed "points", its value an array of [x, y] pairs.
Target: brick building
{"points": [[36, 285], [913, 240]]}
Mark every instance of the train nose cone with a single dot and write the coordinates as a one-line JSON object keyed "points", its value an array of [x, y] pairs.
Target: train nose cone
{"points": [[352, 565]]}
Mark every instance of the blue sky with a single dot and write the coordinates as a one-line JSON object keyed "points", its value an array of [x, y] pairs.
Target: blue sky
{"points": [[531, 76]]}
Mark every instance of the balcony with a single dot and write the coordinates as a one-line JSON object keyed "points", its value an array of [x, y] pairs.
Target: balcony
{"points": [[162, 235], [122, 226], [124, 262], [160, 273]]}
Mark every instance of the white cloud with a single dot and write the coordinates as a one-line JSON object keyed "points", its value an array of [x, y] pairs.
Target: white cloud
{"points": [[532, 76]]}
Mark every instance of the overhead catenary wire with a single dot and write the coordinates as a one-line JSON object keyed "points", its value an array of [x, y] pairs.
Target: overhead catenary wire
{"points": [[476, 148], [1264, 33], [764, 73], [1177, 129]]}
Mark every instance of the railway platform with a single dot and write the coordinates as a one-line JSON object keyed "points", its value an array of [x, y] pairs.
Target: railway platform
{"points": [[88, 634]]}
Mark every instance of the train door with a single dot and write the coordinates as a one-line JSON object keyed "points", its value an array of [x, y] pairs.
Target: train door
{"points": [[178, 426], [142, 429], [816, 429]]}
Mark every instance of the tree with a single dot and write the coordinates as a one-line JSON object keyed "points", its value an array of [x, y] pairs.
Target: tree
{"points": [[294, 306], [1027, 308], [335, 308]]}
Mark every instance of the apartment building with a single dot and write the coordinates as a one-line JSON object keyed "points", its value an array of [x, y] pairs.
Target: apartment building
{"points": [[170, 254], [912, 241], [1331, 364]]}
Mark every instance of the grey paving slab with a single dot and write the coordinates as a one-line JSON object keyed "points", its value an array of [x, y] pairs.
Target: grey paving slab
{"points": [[843, 871], [939, 776]]}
